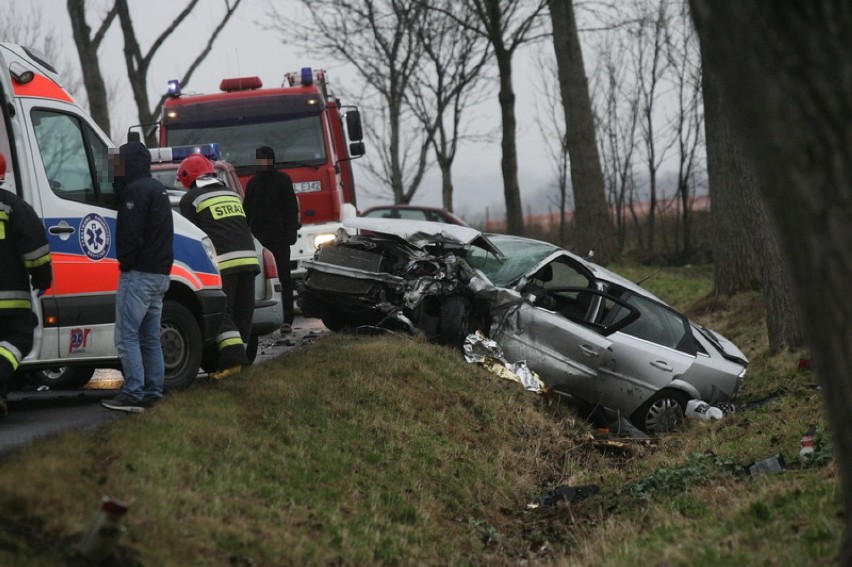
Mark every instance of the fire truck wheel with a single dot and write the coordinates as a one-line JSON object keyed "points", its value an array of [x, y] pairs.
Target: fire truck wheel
{"points": [[63, 377], [182, 345]]}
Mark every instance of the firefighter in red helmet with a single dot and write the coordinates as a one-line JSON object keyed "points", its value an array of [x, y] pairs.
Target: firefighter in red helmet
{"points": [[25, 258], [218, 211]]}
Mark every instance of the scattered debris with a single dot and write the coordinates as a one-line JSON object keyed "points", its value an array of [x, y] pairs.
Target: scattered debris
{"points": [[702, 411], [563, 495], [807, 443], [625, 428], [99, 541], [771, 465], [486, 352]]}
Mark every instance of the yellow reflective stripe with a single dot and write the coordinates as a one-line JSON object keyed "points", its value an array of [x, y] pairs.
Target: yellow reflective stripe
{"points": [[37, 262], [207, 203], [10, 356], [4, 215], [15, 304], [230, 342], [238, 262]]}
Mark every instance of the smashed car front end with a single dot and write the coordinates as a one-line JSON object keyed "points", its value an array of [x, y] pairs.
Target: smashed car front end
{"points": [[378, 278]]}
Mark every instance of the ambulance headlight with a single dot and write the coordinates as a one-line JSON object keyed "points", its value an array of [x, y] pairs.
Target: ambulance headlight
{"points": [[210, 249], [323, 239]]}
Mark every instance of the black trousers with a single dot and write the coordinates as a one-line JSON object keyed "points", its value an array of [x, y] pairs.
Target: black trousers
{"points": [[239, 289], [16, 340], [282, 260]]}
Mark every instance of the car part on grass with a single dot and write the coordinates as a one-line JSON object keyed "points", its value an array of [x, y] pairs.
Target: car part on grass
{"points": [[564, 495], [771, 465], [481, 350]]}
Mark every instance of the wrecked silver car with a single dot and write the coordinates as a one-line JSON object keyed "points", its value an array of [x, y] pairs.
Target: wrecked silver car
{"points": [[588, 332]]}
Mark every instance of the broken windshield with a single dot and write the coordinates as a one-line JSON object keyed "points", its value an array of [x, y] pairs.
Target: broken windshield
{"points": [[521, 256]]}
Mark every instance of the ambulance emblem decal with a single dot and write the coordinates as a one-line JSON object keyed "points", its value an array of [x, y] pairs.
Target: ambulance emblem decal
{"points": [[94, 236]]}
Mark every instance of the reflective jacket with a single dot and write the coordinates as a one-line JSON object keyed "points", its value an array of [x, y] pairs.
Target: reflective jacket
{"points": [[24, 254], [218, 211]]}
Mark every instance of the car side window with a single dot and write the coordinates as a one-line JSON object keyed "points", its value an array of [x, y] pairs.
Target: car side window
{"points": [[659, 324], [75, 160]]}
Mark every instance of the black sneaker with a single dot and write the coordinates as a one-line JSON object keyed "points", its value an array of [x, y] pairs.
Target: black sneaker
{"points": [[149, 401], [124, 402]]}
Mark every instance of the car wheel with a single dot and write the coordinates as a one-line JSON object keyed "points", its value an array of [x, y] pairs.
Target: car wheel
{"points": [[662, 413], [63, 377], [182, 345], [455, 320], [333, 319]]}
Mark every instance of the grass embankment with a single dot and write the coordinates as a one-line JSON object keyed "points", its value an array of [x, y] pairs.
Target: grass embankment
{"points": [[386, 450]]}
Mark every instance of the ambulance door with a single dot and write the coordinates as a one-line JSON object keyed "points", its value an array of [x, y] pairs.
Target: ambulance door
{"points": [[70, 165]]}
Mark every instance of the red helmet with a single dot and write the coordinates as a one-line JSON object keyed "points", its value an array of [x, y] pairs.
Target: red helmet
{"points": [[2, 166], [192, 168]]}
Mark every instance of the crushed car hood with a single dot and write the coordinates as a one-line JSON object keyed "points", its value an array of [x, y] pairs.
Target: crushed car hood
{"points": [[421, 234]]}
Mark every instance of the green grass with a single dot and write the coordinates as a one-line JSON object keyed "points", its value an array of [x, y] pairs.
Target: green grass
{"points": [[390, 451]]}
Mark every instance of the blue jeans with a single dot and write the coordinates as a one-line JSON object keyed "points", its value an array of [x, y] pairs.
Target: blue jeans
{"points": [[138, 309]]}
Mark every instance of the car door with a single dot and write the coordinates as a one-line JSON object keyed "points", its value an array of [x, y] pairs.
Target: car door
{"points": [[647, 354], [70, 161], [553, 326]]}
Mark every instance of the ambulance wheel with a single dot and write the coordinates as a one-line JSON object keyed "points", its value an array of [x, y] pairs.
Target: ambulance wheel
{"points": [[63, 377], [182, 345]]}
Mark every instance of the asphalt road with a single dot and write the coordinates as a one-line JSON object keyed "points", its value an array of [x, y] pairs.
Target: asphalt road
{"points": [[35, 415]]}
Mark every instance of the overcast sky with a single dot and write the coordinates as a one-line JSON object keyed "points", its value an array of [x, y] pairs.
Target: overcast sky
{"points": [[245, 49]]}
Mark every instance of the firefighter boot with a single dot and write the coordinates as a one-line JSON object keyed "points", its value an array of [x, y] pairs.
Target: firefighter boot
{"points": [[226, 372]]}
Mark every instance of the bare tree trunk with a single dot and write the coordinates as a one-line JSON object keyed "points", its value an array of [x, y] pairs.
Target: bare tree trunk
{"points": [[783, 73], [508, 144], [734, 265], [593, 224], [87, 49]]}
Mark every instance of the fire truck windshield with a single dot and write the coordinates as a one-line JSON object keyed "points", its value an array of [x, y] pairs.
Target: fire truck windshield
{"points": [[296, 141]]}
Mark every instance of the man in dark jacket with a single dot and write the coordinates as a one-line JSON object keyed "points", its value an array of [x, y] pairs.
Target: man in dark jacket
{"points": [[144, 235], [24, 256], [272, 211], [218, 211]]}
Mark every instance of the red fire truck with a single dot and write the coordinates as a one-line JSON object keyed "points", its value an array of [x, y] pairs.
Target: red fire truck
{"points": [[313, 135]]}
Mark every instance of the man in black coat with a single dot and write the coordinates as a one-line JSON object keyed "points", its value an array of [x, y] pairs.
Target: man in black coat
{"points": [[144, 235], [272, 211]]}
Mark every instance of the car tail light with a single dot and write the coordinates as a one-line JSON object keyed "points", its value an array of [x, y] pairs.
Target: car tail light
{"points": [[270, 268]]}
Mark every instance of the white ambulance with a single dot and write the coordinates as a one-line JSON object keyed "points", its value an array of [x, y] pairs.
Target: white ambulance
{"points": [[57, 161]]}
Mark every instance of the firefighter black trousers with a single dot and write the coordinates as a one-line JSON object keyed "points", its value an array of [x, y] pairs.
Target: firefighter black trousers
{"points": [[16, 341]]}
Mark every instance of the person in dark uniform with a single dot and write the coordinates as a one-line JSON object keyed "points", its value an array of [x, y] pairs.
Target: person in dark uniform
{"points": [[272, 211], [218, 211], [24, 258]]}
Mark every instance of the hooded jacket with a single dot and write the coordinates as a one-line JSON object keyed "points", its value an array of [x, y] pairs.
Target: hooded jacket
{"points": [[144, 224], [24, 254]]}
